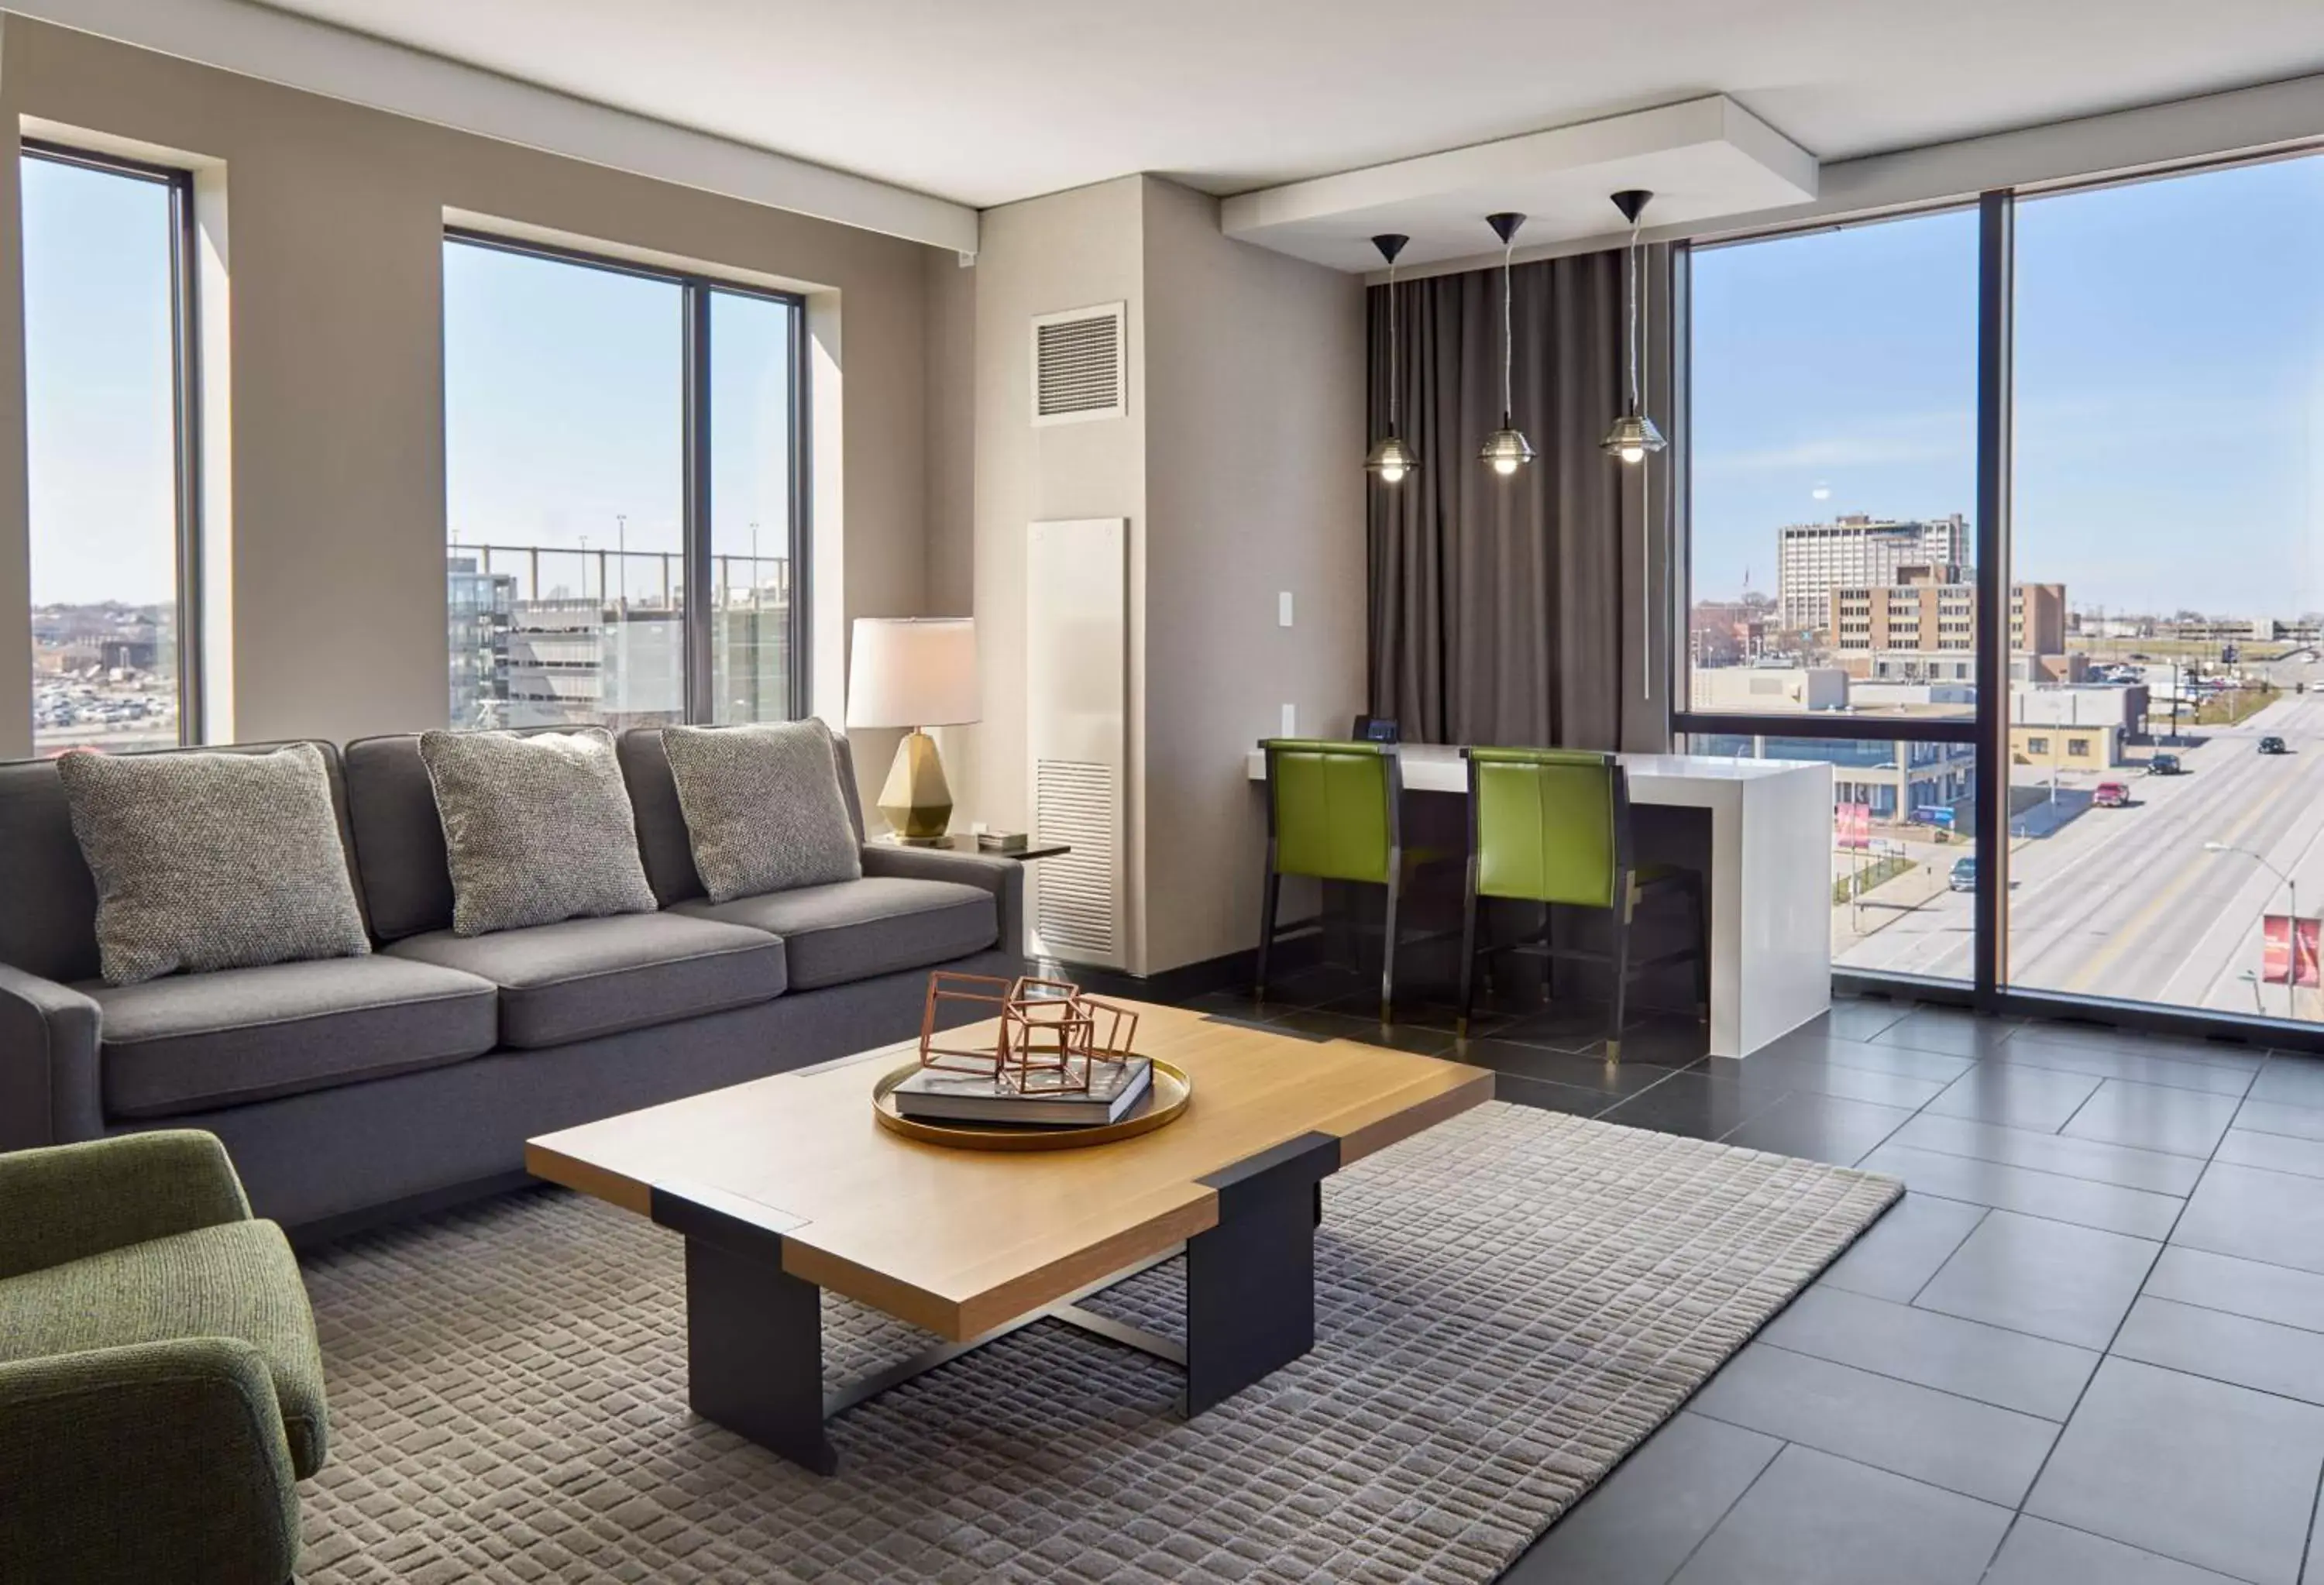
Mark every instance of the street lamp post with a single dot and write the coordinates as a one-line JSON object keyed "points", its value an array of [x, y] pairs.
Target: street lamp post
{"points": [[2291, 894]]}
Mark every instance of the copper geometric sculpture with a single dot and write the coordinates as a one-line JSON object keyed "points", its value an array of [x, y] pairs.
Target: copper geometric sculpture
{"points": [[1050, 1033]]}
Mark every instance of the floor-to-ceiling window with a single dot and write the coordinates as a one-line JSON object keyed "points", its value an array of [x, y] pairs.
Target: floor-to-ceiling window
{"points": [[625, 503], [2067, 590], [109, 448], [1831, 448], [2168, 528]]}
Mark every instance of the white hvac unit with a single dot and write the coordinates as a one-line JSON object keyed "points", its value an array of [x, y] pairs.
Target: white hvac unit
{"points": [[1077, 683], [1080, 364]]}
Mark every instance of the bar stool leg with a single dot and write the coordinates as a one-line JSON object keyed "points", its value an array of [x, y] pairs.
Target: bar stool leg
{"points": [[1626, 898], [1468, 950], [1269, 894], [1387, 954]]}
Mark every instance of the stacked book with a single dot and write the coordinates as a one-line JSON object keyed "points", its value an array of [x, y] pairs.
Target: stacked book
{"points": [[1115, 1090]]}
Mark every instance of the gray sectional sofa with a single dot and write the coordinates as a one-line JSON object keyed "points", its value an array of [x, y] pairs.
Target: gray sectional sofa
{"points": [[351, 1089]]}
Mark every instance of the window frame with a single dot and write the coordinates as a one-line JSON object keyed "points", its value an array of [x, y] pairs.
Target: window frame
{"points": [[698, 421], [1988, 989], [185, 403]]}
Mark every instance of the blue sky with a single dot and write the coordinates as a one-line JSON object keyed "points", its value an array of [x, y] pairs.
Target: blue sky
{"points": [[2169, 388], [97, 376], [563, 392], [2169, 393]]}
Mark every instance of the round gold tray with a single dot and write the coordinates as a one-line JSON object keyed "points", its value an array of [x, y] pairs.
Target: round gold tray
{"points": [[1164, 1102]]}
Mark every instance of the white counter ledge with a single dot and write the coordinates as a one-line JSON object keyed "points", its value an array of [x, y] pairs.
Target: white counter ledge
{"points": [[1770, 878]]}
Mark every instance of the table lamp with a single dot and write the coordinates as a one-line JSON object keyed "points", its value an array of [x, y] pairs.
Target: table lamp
{"points": [[914, 672]]}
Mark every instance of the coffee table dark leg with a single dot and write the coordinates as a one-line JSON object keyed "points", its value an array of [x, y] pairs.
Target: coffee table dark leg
{"points": [[753, 1332], [1250, 1280], [755, 1353]]}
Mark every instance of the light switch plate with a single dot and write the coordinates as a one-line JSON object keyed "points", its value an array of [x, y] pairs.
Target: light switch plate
{"points": [[1283, 609], [1291, 720]]}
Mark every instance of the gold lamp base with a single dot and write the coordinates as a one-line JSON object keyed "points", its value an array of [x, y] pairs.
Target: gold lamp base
{"points": [[916, 800]]}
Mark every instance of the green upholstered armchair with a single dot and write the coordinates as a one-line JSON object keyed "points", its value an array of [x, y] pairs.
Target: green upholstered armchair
{"points": [[1552, 827], [161, 1390]]}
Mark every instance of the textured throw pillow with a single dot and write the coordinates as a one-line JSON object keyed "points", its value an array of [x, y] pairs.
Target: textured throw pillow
{"points": [[212, 860], [763, 806], [537, 829]]}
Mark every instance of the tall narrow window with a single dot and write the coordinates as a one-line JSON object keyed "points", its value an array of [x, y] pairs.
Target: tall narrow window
{"points": [[575, 435], [753, 395], [2169, 538], [108, 305], [1832, 444]]}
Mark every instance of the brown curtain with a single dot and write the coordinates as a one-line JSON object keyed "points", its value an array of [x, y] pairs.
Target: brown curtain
{"points": [[1522, 609]]}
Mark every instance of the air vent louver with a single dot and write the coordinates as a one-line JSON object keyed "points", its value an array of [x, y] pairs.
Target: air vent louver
{"points": [[1075, 906], [1077, 366]]}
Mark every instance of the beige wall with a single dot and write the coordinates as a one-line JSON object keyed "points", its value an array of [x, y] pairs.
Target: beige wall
{"points": [[1238, 467], [1255, 486], [335, 426], [1069, 250]]}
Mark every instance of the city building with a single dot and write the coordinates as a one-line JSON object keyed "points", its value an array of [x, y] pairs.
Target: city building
{"points": [[1716, 689], [568, 657], [1899, 783], [1854, 552], [2066, 747], [1923, 626], [1951, 698], [478, 607], [1732, 632], [2072, 727]]}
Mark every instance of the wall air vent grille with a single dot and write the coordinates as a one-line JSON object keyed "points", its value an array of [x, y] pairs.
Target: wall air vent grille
{"points": [[1076, 908], [1078, 360]]}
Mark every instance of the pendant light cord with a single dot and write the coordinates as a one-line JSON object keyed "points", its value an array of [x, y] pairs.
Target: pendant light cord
{"points": [[1633, 295], [1391, 346], [1509, 341]]}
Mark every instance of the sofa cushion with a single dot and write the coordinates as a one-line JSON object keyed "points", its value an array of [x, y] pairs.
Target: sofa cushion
{"points": [[49, 927], [583, 977], [663, 842], [213, 860], [236, 1280], [538, 828], [762, 806], [191, 1041], [854, 929]]}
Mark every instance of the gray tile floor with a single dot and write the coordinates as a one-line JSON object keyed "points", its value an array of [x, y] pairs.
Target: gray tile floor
{"points": [[2088, 1345]]}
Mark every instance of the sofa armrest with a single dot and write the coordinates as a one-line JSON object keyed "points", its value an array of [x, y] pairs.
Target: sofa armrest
{"points": [[1002, 877], [163, 1461], [68, 1201], [48, 1061]]}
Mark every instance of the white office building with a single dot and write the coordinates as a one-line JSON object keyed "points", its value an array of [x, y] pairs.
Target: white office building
{"points": [[1855, 552]]}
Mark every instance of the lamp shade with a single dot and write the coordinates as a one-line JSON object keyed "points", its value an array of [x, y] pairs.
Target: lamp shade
{"points": [[912, 671]]}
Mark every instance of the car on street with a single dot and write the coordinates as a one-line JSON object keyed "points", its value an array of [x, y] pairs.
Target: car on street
{"points": [[2272, 746], [2165, 765], [2112, 795], [1964, 875]]}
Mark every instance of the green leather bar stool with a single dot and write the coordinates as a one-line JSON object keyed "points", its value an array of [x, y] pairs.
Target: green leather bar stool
{"points": [[1332, 813], [1552, 827]]}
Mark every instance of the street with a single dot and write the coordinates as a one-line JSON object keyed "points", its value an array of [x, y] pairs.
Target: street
{"points": [[2127, 903]]}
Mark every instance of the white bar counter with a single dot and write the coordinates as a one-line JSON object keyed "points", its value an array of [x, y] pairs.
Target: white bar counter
{"points": [[1770, 875]]}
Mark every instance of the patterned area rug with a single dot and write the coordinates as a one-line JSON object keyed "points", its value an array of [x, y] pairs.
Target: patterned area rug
{"points": [[1507, 1305]]}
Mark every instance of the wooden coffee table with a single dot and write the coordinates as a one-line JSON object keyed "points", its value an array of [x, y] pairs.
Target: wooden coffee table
{"points": [[785, 1186]]}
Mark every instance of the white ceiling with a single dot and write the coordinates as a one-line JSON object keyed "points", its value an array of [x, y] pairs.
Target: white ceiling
{"points": [[985, 101]]}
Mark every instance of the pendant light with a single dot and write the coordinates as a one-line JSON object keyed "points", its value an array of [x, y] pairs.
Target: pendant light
{"points": [[1505, 449], [1390, 460], [1634, 434]]}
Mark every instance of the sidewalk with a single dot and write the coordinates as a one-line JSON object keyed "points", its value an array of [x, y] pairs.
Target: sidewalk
{"points": [[1891, 900]]}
